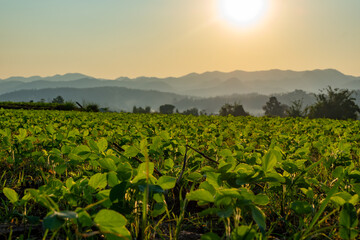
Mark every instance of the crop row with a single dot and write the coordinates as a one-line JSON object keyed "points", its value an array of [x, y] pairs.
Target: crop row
{"points": [[147, 176]]}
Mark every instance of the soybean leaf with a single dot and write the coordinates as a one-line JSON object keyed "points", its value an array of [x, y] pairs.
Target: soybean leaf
{"points": [[259, 218], [52, 222], [110, 221], [270, 159], [348, 222], [98, 181], [108, 164], [301, 207], [200, 195], [243, 232], [11, 194], [210, 236], [102, 144], [166, 182], [131, 151]]}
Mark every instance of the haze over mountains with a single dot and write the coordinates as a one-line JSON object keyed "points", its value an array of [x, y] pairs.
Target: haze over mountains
{"points": [[192, 90]]}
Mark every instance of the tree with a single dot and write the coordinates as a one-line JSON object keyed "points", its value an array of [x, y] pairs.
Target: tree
{"points": [[167, 109], [203, 112], [141, 110], [191, 111], [92, 107], [274, 108], [235, 110], [296, 109], [335, 104], [58, 99]]}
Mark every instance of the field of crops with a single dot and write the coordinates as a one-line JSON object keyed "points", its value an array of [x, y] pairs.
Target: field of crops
{"points": [[77, 175]]}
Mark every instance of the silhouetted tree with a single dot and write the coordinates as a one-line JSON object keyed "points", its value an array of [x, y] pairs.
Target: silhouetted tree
{"points": [[58, 99], [203, 112], [141, 110], [235, 110], [274, 108], [191, 111], [335, 104], [296, 109], [167, 109], [92, 107]]}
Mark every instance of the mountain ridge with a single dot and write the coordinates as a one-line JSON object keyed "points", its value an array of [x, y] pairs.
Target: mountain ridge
{"points": [[206, 84]]}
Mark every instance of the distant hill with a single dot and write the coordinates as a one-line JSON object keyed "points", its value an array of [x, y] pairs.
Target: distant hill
{"points": [[116, 98], [208, 84], [10, 86], [65, 77]]}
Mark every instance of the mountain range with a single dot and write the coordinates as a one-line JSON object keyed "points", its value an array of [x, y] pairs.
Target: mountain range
{"points": [[191, 90]]}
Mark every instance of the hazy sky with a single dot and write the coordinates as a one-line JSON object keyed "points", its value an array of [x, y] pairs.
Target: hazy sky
{"points": [[113, 38]]}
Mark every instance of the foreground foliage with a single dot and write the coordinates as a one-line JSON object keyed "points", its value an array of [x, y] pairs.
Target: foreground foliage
{"points": [[140, 176]]}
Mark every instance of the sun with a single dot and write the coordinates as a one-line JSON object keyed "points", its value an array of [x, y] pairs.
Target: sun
{"points": [[242, 12]]}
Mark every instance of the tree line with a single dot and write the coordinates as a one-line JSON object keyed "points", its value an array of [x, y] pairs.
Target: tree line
{"points": [[330, 103]]}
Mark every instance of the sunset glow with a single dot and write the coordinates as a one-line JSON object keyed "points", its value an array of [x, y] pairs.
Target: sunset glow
{"points": [[242, 12], [113, 38]]}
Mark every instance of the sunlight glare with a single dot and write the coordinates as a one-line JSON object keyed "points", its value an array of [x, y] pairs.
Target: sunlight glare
{"points": [[242, 12]]}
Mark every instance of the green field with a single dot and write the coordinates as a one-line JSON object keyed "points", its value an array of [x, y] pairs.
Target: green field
{"points": [[77, 175]]}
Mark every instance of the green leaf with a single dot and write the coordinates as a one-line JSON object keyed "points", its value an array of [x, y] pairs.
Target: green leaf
{"points": [[348, 222], [124, 171], [270, 159], [213, 179], [194, 177], [338, 171], [111, 222], [81, 150], [11, 194], [102, 144], [118, 192], [98, 181], [108, 164], [112, 178], [69, 183], [131, 151], [93, 146], [301, 207], [156, 142], [168, 164], [243, 233], [225, 213], [166, 182], [122, 234], [50, 129], [22, 135], [159, 208], [153, 189], [60, 169], [210, 236], [261, 199], [144, 167], [52, 222], [259, 218], [200, 195], [84, 218], [75, 157]]}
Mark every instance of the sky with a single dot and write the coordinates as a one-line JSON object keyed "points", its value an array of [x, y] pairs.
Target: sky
{"points": [[114, 38]]}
